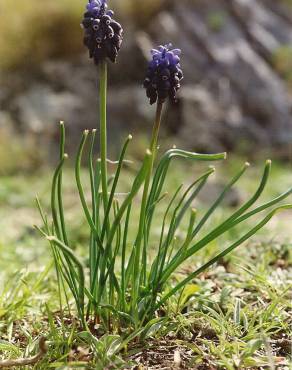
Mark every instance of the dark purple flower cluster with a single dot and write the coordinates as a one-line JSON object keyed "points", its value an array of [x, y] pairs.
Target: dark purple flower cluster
{"points": [[103, 36], [164, 74]]}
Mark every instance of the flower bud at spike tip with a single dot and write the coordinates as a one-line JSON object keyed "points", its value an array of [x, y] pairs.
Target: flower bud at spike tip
{"points": [[103, 36], [164, 74]]}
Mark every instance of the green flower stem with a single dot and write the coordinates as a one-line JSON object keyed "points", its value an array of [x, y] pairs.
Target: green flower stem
{"points": [[155, 132], [140, 237], [103, 130]]}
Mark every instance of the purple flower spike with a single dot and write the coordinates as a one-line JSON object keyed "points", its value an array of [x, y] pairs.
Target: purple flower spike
{"points": [[164, 74], [103, 36]]}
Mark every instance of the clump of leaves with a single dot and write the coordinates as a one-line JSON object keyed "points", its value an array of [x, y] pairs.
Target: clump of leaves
{"points": [[123, 286]]}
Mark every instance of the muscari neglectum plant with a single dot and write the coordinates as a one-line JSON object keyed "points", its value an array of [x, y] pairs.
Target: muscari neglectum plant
{"points": [[123, 287]]}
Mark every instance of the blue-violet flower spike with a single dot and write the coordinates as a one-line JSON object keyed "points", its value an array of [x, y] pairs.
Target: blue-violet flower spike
{"points": [[164, 74], [103, 36]]}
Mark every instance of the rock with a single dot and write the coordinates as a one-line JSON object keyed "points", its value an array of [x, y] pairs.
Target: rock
{"points": [[232, 95], [212, 190], [6, 121], [39, 108], [281, 8], [210, 125], [265, 29], [238, 95]]}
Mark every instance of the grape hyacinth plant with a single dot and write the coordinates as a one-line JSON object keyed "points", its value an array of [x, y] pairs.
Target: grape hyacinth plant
{"points": [[124, 288]]}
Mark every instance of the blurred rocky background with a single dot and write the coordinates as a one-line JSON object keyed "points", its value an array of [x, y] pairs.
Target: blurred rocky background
{"points": [[237, 58]]}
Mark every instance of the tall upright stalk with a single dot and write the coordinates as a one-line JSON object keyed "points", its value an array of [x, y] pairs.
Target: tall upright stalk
{"points": [[155, 133], [138, 272], [103, 130]]}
